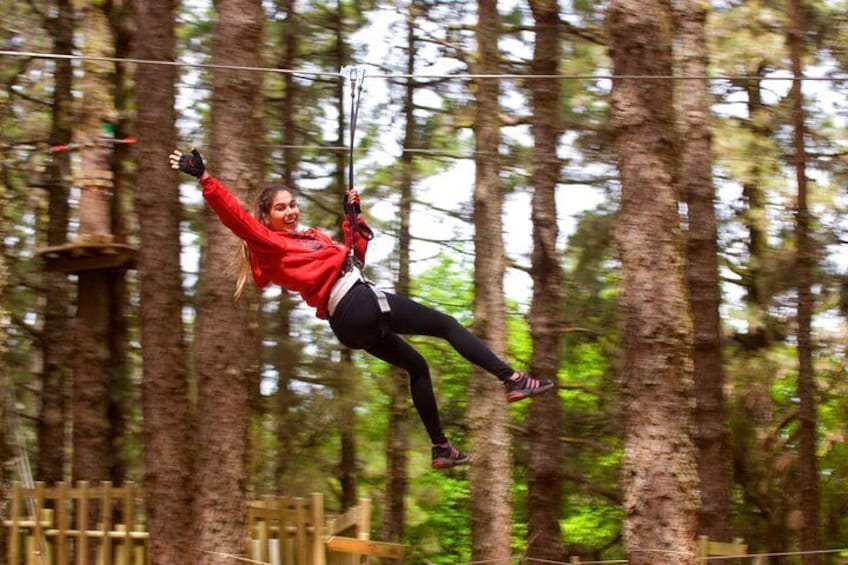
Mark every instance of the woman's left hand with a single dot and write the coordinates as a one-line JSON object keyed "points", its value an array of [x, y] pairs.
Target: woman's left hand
{"points": [[353, 197], [351, 202]]}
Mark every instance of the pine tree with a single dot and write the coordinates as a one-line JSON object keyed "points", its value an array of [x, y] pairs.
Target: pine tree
{"points": [[660, 473]]}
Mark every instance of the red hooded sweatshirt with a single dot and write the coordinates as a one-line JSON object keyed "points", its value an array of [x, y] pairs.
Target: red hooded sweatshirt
{"points": [[307, 261]]}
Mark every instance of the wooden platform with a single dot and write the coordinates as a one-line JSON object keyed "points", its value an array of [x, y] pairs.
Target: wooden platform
{"points": [[88, 255]]}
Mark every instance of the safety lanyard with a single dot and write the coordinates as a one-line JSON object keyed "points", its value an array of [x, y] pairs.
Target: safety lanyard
{"points": [[355, 76]]}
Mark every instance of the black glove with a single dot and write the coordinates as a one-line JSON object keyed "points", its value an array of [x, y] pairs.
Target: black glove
{"points": [[191, 164], [351, 208]]}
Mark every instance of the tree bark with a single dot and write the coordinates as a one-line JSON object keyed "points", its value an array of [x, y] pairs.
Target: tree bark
{"points": [[93, 455], [223, 348], [660, 473], [122, 21], [5, 384], [287, 359], [397, 439], [711, 435], [545, 420], [165, 402], [4, 332], [55, 346], [491, 470], [806, 387], [347, 381], [287, 353]]}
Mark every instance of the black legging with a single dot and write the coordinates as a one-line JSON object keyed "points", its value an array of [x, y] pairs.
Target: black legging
{"points": [[356, 322]]}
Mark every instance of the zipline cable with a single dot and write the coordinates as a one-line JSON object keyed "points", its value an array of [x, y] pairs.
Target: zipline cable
{"points": [[460, 76]]}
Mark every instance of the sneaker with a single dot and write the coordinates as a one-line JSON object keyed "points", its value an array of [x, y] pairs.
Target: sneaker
{"points": [[445, 455], [525, 386]]}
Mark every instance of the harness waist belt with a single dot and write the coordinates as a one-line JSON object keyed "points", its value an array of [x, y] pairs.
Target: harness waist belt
{"points": [[343, 284]]}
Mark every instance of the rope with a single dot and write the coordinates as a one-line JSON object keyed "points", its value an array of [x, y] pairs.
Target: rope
{"points": [[460, 76], [536, 560], [353, 74], [24, 468], [233, 557], [781, 554], [36, 55], [706, 559]]}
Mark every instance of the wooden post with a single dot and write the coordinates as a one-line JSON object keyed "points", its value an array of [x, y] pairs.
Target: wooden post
{"points": [[48, 518], [106, 519], [300, 520], [575, 560], [61, 523], [140, 550], [40, 544], [703, 544], [319, 555], [128, 517], [282, 519], [123, 556], [364, 523], [82, 524], [30, 557], [262, 534], [14, 516]]}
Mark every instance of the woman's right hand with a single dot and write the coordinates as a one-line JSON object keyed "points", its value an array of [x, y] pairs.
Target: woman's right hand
{"points": [[189, 163]]}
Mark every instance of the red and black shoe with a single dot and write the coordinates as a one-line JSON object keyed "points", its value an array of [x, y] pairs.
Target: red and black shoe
{"points": [[524, 386], [445, 455]]}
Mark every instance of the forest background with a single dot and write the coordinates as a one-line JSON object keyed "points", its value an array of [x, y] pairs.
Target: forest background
{"points": [[665, 204]]}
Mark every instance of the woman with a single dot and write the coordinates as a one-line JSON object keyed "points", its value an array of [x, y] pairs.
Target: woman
{"points": [[328, 277]]}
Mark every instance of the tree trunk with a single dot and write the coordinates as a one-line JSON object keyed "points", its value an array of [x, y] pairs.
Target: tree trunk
{"points": [[122, 23], [754, 454], [288, 353], [287, 359], [806, 264], [757, 279], [347, 381], [288, 61], [660, 473], [348, 467], [491, 470], [397, 439], [223, 342], [711, 435], [93, 455], [165, 405], [55, 346], [5, 448], [545, 421]]}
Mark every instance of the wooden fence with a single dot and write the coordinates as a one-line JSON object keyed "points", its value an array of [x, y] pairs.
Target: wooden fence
{"points": [[295, 531], [105, 525], [85, 524]]}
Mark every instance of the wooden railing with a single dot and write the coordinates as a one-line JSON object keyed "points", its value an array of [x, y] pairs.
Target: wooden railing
{"points": [[104, 525], [84, 524], [294, 531]]}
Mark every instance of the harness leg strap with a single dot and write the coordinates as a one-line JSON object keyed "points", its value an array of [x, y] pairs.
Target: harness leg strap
{"points": [[383, 303]]}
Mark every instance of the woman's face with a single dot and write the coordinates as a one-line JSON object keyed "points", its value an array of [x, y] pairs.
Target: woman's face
{"points": [[284, 213]]}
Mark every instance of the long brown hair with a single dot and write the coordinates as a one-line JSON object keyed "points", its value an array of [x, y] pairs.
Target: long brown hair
{"points": [[261, 211]]}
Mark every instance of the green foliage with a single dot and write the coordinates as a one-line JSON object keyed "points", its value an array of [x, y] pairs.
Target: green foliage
{"points": [[591, 525], [752, 145], [439, 528]]}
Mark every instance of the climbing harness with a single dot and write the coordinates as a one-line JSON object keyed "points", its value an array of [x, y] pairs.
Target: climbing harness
{"points": [[355, 76]]}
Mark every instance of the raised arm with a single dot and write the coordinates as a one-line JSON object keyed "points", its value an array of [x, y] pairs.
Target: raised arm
{"points": [[224, 203]]}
